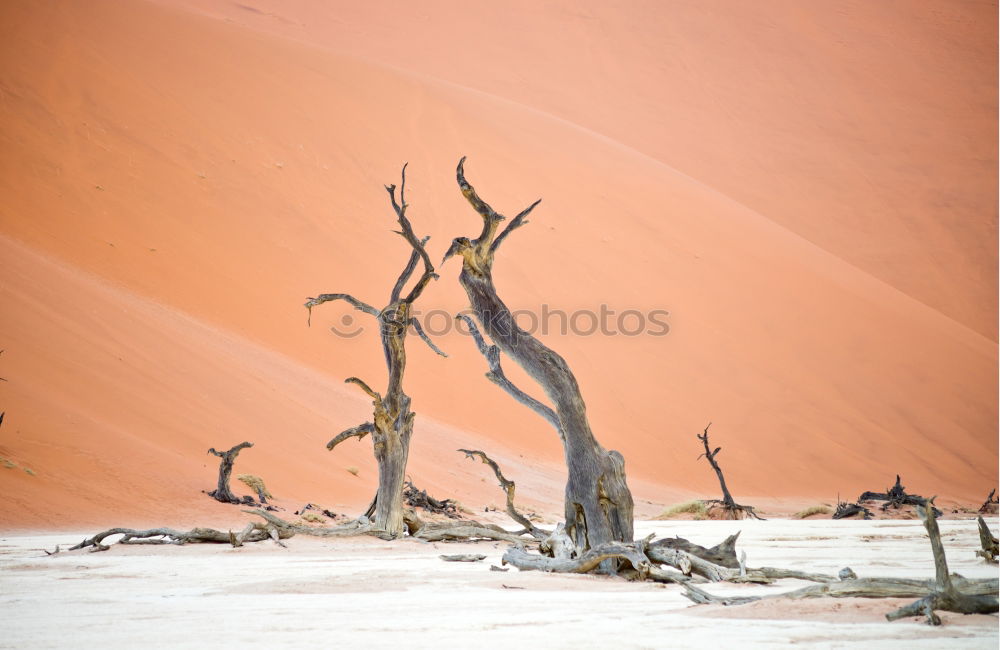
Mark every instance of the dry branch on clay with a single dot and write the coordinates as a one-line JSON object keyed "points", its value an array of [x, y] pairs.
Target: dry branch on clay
{"points": [[254, 532], [728, 505], [944, 593]]}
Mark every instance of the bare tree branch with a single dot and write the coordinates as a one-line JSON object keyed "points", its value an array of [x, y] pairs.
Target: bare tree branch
{"points": [[420, 332], [497, 376], [411, 264], [327, 297], [514, 224], [508, 487], [363, 386], [358, 432]]}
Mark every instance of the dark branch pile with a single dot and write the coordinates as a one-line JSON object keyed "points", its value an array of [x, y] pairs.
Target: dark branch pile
{"points": [[222, 492], [728, 505], [895, 498], [417, 498], [845, 510]]}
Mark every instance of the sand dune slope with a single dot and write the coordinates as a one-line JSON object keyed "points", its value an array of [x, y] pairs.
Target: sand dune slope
{"points": [[212, 175]]}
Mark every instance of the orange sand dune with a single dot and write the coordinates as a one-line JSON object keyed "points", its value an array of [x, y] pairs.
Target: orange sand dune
{"points": [[175, 185]]}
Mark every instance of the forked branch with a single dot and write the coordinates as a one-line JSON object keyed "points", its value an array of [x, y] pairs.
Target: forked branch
{"points": [[497, 376], [508, 487]]}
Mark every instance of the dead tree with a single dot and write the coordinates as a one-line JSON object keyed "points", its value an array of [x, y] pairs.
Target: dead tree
{"points": [[729, 506], [598, 504], [222, 492], [391, 426]]}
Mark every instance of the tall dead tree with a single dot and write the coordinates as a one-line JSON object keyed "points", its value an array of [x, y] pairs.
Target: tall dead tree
{"points": [[228, 458], [598, 504], [729, 506], [391, 426]]}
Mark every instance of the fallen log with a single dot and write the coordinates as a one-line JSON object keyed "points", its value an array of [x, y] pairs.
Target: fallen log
{"points": [[723, 553], [257, 533]]}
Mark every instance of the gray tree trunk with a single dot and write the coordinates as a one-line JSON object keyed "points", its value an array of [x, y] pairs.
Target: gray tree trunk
{"points": [[391, 426], [598, 504]]}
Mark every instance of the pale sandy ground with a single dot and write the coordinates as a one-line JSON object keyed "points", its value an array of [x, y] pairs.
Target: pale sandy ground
{"points": [[368, 593]]}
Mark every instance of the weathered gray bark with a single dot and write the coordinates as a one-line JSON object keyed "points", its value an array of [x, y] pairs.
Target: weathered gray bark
{"points": [[598, 504], [945, 596], [392, 424], [987, 541], [222, 492], [253, 533], [732, 509], [943, 593]]}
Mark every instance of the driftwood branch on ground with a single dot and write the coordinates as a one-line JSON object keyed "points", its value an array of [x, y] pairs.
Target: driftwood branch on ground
{"points": [[729, 506], [228, 458], [253, 533], [944, 593]]}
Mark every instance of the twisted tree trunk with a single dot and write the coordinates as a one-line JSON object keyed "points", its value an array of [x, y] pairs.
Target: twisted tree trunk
{"points": [[598, 504], [222, 492], [391, 426]]}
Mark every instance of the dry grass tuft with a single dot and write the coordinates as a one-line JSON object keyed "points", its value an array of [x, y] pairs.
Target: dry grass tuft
{"points": [[812, 510], [312, 518], [696, 508], [255, 483], [352, 470]]}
